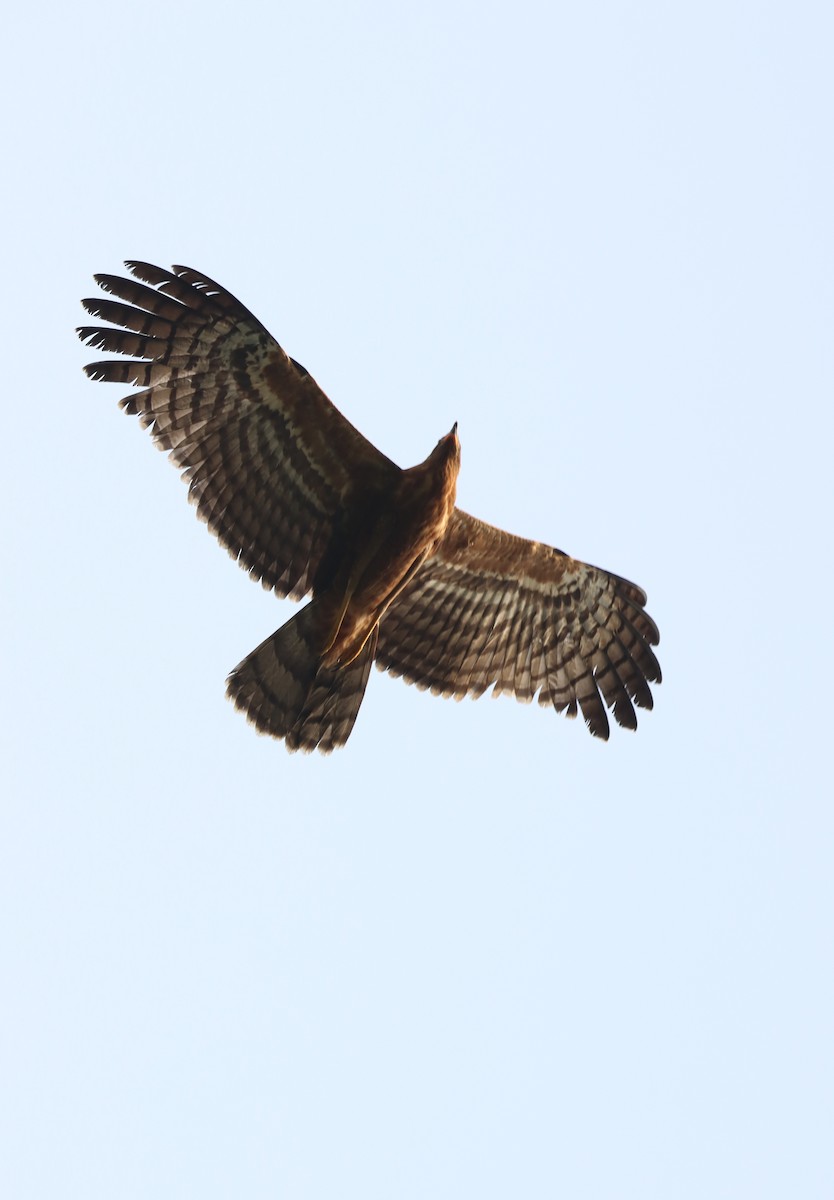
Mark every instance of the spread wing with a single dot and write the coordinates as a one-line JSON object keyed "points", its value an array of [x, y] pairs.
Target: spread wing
{"points": [[492, 609], [269, 460]]}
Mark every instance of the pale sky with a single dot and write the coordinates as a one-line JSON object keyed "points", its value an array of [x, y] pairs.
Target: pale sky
{"points": [[475, 953]]}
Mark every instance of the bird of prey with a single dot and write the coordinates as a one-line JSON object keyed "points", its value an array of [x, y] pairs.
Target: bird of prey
{"points": [[397, 573]]}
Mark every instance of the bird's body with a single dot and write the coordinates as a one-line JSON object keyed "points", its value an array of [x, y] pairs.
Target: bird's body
{"points": [[397, 573], [386, 537]]}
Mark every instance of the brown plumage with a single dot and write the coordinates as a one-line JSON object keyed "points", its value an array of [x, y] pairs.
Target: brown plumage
{"points": [[308, 505]]}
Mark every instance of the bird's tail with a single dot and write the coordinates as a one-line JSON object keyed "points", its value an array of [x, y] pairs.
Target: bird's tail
{"points": [[283, 689]]}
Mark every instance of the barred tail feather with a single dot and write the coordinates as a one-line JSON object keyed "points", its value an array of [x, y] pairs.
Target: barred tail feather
{"points": [[284, 690]]}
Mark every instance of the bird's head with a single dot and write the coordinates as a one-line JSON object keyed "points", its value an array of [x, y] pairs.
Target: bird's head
{"points": [[440, 469], [448, 449], [444, 465]]}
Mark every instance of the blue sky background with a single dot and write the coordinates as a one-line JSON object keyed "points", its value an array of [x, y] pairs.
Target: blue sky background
{"points": [[476, 953]]}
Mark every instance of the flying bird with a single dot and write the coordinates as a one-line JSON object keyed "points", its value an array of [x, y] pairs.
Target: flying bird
{"points": [[308, 506]]}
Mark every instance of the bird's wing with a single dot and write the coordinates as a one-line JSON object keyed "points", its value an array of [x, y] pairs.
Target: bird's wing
{"points": [[269, 460], [492, 609]]}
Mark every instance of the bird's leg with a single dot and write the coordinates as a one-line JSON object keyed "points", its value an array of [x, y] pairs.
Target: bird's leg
{"points": [[340, 615], [357, 572], [404, 582], [359, 646]]}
